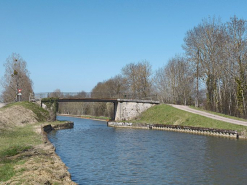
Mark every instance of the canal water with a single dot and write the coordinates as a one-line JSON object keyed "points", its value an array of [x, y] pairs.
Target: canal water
{"points": [[97, 154]]}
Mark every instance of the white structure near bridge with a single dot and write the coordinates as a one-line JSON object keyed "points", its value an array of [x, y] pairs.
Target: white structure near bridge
{"points": [[129, 109]]}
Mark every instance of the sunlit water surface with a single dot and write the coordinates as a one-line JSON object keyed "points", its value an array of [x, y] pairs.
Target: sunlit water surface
{"points": [[97, 154]]}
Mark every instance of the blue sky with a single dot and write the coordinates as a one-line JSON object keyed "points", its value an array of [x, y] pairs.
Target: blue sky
{"points": [[72, 45]]}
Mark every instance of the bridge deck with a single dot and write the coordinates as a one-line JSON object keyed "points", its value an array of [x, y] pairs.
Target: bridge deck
{"points": [[105, 100], [113, 100], [86, 100]]}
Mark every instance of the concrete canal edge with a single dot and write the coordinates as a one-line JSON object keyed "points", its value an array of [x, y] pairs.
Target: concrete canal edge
{"points": [[66, 125], [45, 129], [179, 128]]}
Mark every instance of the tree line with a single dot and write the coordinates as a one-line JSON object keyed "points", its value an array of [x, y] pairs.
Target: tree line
{"points": [[217, 55], [170, 84], [211, 73]]}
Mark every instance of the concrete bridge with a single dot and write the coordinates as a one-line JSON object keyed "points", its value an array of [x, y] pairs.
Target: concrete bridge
{"points": [[124, 109]]}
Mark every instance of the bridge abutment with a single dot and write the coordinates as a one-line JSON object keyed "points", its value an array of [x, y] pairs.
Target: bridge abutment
{"points": [[129, 109]]}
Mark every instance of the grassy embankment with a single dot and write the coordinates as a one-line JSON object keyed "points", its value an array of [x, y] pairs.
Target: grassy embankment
{"points": [[15, 141], [166, 114]]}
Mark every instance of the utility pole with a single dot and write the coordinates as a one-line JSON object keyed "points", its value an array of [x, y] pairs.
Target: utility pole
{"points": [[197, 79]]}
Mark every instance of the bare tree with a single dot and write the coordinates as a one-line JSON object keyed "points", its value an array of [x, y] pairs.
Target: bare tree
{"points": [[56, 94], [161, 85], [218, 53], [194, 54], [138, 78], [205, 46], [174, 82], [117, 86], [112, 88], [16, 77]]}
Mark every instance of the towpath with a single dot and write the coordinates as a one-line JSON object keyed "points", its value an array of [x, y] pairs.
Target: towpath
{"points": [[213, 116]]}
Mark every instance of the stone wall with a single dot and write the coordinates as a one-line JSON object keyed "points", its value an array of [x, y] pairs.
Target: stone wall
{"points": [[129, 110]]}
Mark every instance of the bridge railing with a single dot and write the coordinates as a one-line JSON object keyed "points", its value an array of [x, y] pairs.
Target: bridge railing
{"points": [[121, 95]]}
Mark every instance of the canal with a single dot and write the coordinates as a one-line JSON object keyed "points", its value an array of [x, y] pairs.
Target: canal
{"points": [[97, 154]]}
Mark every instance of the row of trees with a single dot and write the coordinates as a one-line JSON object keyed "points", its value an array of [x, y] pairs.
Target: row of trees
{"points": [[211, 73], [217, 54]]}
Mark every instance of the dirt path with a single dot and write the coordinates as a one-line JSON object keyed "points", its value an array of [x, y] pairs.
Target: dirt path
{"points": [[213, 116]]}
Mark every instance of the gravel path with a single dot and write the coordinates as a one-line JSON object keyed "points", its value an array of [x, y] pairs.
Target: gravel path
{"points": [[216, 117]]}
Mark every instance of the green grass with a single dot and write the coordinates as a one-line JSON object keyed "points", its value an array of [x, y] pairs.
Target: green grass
{"points": [[6, 171], [15, 140], [12, 142], [18, 139], [57, 122], [165, 114], [14, 150]]}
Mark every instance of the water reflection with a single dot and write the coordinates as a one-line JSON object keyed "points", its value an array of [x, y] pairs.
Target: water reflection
{"points": [[97, 154]]}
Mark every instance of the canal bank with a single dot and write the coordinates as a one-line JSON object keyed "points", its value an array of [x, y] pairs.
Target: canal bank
{"points": [[26, 155], [177, 128], [39, 164], [170, 118]]}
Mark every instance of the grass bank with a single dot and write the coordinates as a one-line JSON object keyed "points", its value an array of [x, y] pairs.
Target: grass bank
{"points": [[24, 158], [12, 143], [166, 114]]}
